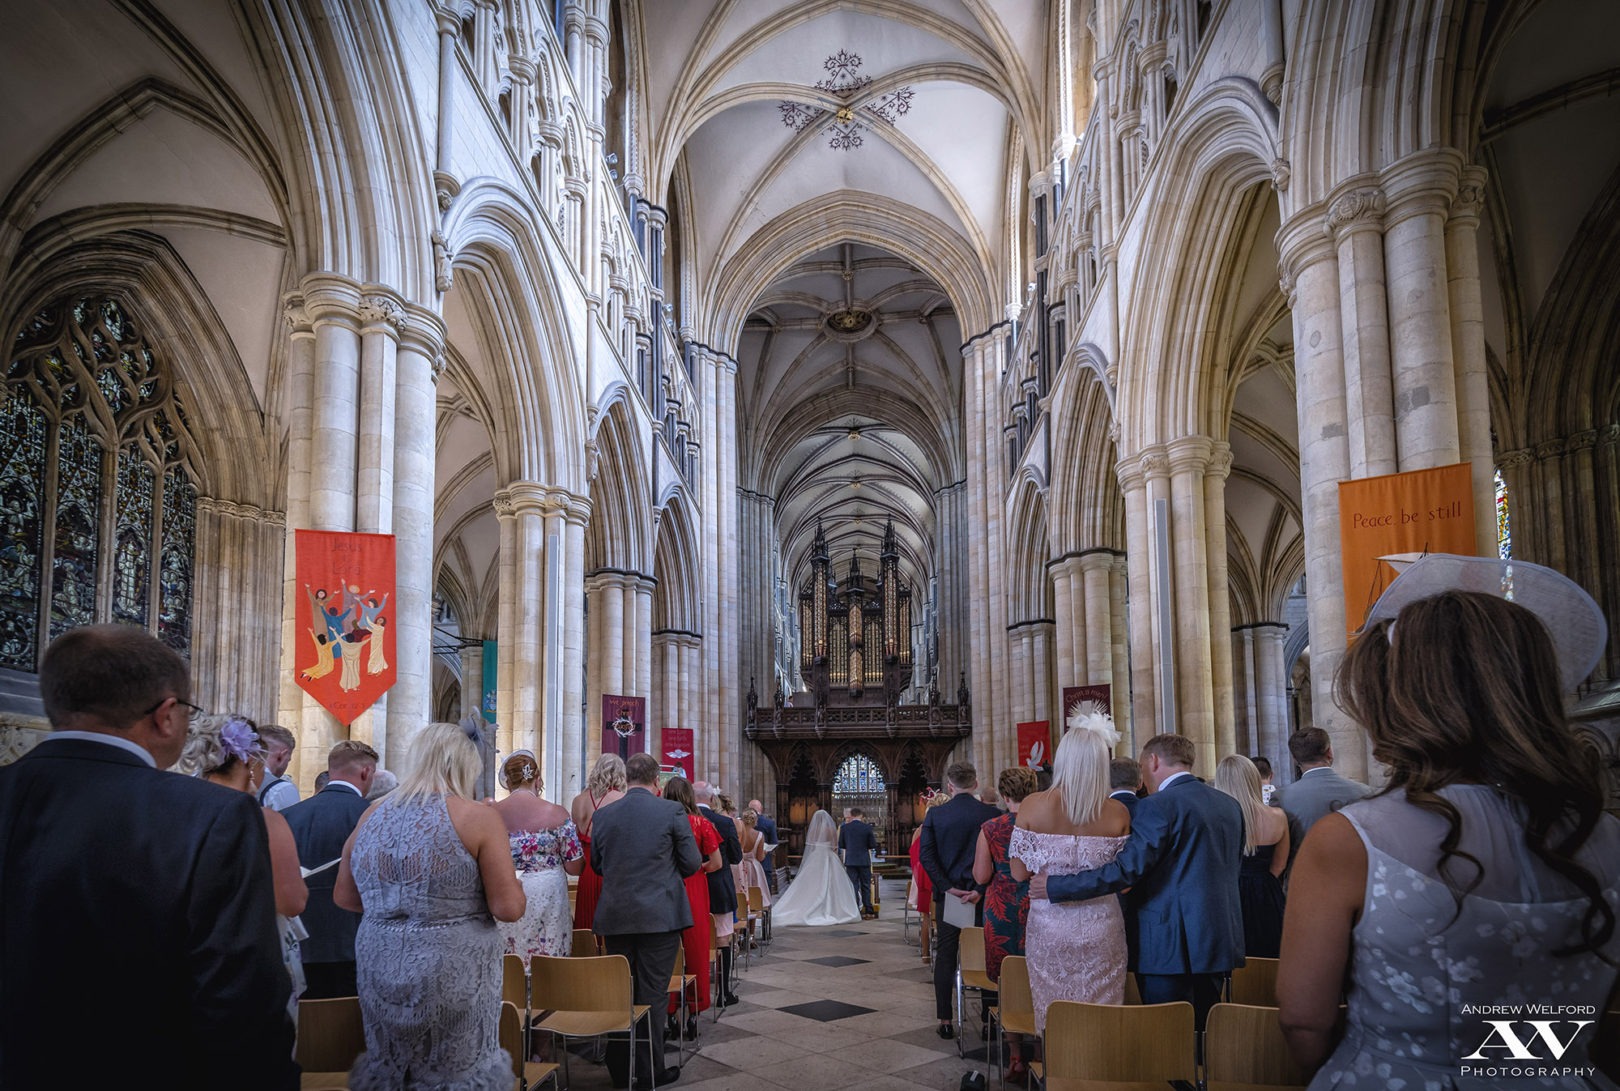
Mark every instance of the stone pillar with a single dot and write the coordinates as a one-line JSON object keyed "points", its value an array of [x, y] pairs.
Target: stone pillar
{"points": [[1271, 693], [300, 382], [1245, 690], [1124, 712], [1138, 537], [642, 666], [1468, 346], [1356, 218], [472, 678], [1069, 606], [732, 689], [1190, 597], [1043, 703], [520, 675], [1021, 677], [577, 721], [1096, 567], [1220, 599]]}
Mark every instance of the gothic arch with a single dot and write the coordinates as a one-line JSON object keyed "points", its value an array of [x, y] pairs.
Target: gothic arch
{"points": [[677, 599], [1086, 510], [619, 533], [1029, 589]]}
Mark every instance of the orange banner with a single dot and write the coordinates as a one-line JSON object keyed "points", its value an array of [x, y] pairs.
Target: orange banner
{"points": [[1421, 511], [345, 589]]}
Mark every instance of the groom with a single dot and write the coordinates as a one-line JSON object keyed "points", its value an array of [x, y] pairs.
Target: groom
{"points": [[857, 842]]}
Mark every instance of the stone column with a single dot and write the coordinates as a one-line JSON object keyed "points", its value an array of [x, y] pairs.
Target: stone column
{"points": [[1356, 218], [1220, 598], [1124, 712], [382, 319], [520, 675], [1245, 690], [576, 723], [300, 427], [1271, 691], [1069, 636], [1138, 537], [732, 689], [1468, 346], [1042, 699], [641, 675], [1021, 680], [1096, 567], [1195, 692], [472, 678]]}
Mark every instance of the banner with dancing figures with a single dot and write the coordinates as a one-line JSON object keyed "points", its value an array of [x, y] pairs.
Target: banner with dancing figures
{"points": [[676, 744], [1035, 743], [345, 589], [1075, 695], [624, 725]]}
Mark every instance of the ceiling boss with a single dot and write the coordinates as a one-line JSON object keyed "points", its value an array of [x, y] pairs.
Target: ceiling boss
{"points": [[845, 125]]}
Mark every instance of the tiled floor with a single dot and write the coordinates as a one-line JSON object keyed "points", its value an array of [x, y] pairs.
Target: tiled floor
{"points": [[824, 1009]]}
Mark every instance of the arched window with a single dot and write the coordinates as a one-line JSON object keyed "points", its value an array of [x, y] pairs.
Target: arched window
{"points": [[97, 507], [1504, 519], [858, 776]]}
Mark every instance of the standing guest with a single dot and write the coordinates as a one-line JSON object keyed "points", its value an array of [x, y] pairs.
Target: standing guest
{"points": [[950, 833], [605, 785], [857, 842], [1492, 832], [428, 868], [1181, 865], [1263, 767], [695, 940], [1124, 781], [321, 825], [751, 873], [1006, 901], [767, 828], [381, 784], [545, 851], [1319, 790], [1077, 948], [722, 884], [226, 750], [1265, 854], [643, 848], [278, 792], [320, 780], [922, 890], [191, 933]]}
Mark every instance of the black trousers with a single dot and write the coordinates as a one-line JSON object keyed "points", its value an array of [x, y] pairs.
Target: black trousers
{"points": [[652, 962], [861, 876], [1202, 991], [947, 944], [329, 980]]}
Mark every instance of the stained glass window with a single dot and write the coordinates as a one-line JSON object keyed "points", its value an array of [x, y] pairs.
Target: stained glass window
{"points": [[858, 775], [1504, 523], [94, 446]]}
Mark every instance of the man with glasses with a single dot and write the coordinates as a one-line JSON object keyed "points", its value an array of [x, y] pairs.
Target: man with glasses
{"points": [[118, 878]]}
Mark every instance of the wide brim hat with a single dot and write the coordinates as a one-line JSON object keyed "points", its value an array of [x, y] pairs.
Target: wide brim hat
{"points": [[1571, 617]]}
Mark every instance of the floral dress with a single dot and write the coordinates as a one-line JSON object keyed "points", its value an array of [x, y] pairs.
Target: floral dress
{"points": [[546, 927], [1006, 902]]}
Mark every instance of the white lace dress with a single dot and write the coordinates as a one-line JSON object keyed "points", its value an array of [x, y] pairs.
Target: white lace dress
{"points": [[1076, 950]]}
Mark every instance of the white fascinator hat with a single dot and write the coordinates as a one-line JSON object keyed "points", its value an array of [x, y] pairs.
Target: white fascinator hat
{"points": [[1571, 616]]}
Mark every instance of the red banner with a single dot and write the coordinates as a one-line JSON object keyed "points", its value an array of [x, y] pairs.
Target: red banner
{"points": [[624, 725], [1074, 695], [677, 756], [1035, 744], [345, 586]]}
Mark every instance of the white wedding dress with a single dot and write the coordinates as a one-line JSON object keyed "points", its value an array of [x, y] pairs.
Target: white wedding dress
{"points": [[821, 893]]}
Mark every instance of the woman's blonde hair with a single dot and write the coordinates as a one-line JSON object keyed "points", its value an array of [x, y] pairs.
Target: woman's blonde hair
{"points": [[214, 744], [443, 759], [1080, 774], [607, 775], [1237, 776]]}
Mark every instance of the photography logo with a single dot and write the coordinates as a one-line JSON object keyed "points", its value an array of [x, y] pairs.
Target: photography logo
{"points": [[1518, 1041]]}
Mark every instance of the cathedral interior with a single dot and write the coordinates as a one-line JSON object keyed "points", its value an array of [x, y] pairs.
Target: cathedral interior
{"points": [[843, 379]]}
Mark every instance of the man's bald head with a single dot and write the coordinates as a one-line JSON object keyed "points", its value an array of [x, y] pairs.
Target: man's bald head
{"points": [[703, 790], [756, 806]]}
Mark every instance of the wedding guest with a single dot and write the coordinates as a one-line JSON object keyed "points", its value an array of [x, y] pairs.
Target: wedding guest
{"points": [[1265, 854], [428, 868], [1124, 781], [722, 884], [767, 827], [321, 780], [381, 784], [605, 785], [1006, 901], [545, 851], [278, 792], [1060, 833], [120, 879], [1263, 767], [949, 834], [922, 890], [751, 873], [695, 939], [1491, 829], [321, 825], [1319, 790]]}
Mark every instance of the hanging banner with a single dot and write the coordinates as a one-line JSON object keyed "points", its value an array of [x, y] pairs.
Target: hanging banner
{"points": [[491, 662], [1035, 744], [1075, 695], [676, 745], [1421, 511], [345, 586], [624, 725]]}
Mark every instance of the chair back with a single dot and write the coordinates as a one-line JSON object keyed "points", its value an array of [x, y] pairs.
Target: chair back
{"points": [[599, 983], [515, 982], [1017, 1001], [330, 1034], [1133, 995], [1151, 1043], [1244, 1044], [756, 901], [971, 950], [512, 1034], [1255, 983], [584, 944]]}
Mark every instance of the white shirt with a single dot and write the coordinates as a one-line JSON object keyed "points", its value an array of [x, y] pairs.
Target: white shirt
{"points": [[335, 783], [280, 794], [110, 740], [1172, 778]]}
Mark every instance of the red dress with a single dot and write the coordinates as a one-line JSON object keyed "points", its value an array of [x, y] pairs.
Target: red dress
{"points": [[589, 890], [919, 876], [695, 940]]}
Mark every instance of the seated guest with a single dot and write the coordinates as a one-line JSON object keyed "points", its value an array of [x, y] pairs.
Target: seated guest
{"points": [[1265, 854], [695, 939], [427, 868], [1006, 901], [1486, 874]]}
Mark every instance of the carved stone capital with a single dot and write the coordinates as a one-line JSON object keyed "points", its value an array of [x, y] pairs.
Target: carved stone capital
{"points": [[1550, 448], [1189, 454], [1512, 460], [443, 262], [1358, 209], [1582, 441], [1220, 461], [1609, 434], [1470, 198], [296, 314], [1154, 462], [380, 311]]}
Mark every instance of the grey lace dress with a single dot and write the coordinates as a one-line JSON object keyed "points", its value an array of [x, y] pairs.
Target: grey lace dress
{"points": [[428, 955], [1429, 985]]}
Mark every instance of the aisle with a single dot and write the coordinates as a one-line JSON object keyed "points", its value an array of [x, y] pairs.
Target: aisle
{"points": [[826, 1008]]}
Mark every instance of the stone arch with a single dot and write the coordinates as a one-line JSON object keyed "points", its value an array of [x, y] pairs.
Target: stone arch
{"points": [[1086, 511], [677, 597], [619, 534], [1029, 589]]}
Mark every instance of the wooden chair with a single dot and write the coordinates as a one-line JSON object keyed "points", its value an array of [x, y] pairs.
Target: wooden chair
{"points": [[970, 974], [714, 965], [513, 1039], [330, 1036], [1014, 1012], [681, 986], [1244, 1049], [587, 998], [515, 991], [1118, 1047], [753, 905], [585, 944], [1254, 983]]}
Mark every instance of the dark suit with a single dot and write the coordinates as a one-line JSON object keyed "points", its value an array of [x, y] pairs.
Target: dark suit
{"points": [[950, 834], [320, 826], [767, 828], [643, 848], [1127, 797], [858, 842], [723, 883], [120, 880], [1181, 864]]}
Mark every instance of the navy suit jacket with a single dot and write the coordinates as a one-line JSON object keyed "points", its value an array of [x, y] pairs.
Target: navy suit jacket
{"points": [[1127, 797], [320, 825], [1181, 864], [117, 879], [767, 828], [723, 883], [950, 835], [858, 842], [642, 846]]}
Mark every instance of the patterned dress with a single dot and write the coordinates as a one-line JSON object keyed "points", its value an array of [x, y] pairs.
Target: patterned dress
{"points": [[1006, 902], [1076, 949], [546, 927], [428, 956], [695, 940]]}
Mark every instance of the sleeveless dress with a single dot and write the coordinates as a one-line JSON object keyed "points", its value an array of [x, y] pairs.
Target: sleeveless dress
{"points": [[922, 891], [751, 873], [1425, 979], [1006, 902], [545, 927], [1076, 950], [428, 956], [1261, 895], [695, 940], [589, 889]]}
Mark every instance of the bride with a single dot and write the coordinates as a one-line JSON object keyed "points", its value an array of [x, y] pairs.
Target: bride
{"points": [[821, 893]]}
